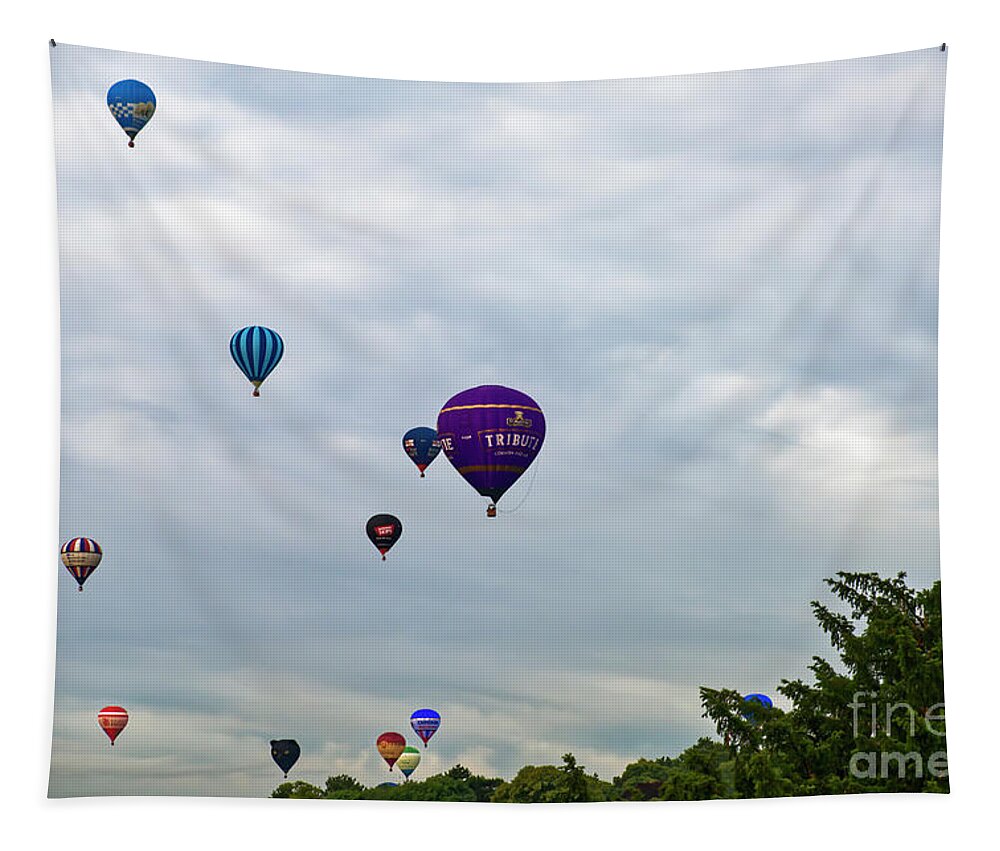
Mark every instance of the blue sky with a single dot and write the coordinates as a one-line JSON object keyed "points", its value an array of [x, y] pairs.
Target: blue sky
{"points": [[722, 290]]}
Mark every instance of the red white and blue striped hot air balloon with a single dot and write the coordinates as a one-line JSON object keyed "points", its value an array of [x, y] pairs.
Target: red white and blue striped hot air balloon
{"points": [[112, 720], [81, 557], [256, 350], [425, 723]]}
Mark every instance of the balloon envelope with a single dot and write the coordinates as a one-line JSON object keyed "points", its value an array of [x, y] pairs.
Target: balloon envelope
{"points": [[285, 752], [491, 435], [408, 761], [256, 350], [425, 723], [422, 445], [132, 104], [383, 531], [755, 699], [81, 557], [112, 720], [390, 747]]}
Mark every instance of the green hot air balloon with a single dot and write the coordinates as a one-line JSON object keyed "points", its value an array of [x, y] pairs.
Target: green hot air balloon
{"points": [[408, 761]]}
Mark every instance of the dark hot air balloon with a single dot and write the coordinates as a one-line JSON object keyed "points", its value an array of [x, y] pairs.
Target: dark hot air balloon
{"points": [[285, 752], [491, 434], [422, 445], [256, 350], [112, 720], [81, 557], [132, 104], [383, 531]]}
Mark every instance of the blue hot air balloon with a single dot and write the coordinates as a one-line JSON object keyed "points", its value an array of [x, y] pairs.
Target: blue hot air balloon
{"points": [[751, 699], [425, 723], [132, 104], [421, 444], [256, 350], [491, 435]]}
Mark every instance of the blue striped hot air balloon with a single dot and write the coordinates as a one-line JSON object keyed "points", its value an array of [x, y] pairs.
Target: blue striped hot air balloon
{"points": [[256, 350], [132, 104]]}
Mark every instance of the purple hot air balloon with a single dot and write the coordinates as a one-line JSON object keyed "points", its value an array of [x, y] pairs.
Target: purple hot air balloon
{"points": [[491, 434]]}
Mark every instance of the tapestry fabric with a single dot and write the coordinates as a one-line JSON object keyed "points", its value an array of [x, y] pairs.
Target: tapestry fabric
{"points": [[534, 442]]}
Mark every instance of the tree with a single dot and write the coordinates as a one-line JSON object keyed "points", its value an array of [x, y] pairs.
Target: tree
{"points": [[875, 726], [297, 789], [343, 787], [641, 780], [547, 784]]}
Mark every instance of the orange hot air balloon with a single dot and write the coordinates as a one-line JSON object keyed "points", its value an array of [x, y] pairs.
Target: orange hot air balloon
{"points": [[390, 747], [112, 720]]}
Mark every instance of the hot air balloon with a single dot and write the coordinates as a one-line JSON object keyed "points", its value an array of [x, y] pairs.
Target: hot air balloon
{"points": [[81, 557], [409, 759], [112, 720], [390, 746], [132, 104], [383, 531], [422, 445], [285, 752], [491, 434], [425, 723], [751, 699], [256, 350]]}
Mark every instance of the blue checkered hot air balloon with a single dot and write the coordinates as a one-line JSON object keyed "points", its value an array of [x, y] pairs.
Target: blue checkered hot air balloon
{"points": [[132, 104], [256, 350]]}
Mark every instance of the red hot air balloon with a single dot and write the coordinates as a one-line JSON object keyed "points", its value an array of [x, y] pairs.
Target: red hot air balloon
{"points": [[390, 747], [112, 720]]}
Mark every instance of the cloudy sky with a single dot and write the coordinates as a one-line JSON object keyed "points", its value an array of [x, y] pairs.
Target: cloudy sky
{"points": [[721, 289]]}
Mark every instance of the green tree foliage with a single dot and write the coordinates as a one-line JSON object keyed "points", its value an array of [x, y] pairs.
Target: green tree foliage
{"points": [[872, 723], [702, 772], [547, 784], [482, 787], [343, 787], [297, 789], [642, 780]]}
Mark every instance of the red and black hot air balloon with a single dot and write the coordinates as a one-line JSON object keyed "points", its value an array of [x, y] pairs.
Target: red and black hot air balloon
{"points": [[383, 531]]}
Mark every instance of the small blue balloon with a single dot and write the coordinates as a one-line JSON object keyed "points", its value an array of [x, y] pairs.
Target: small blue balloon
{"points": [[422, 445], [132, 104]]}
